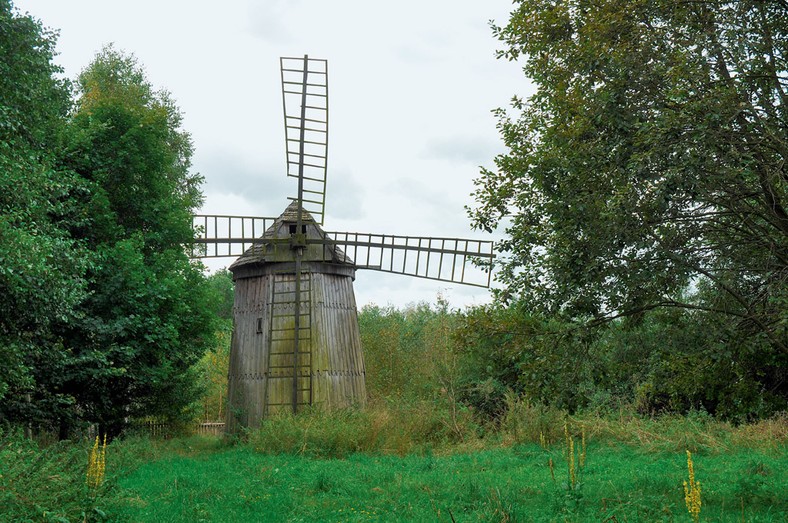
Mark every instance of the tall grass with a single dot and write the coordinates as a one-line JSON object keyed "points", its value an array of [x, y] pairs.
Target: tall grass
{"points": [[407, 461], [392, 427], [616, 483], [385, 427], [46, 481]]}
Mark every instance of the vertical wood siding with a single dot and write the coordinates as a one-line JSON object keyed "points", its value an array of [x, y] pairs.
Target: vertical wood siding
{"points": [[331, 364]]}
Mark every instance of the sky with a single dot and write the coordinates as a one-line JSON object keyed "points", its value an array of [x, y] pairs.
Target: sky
{"points": [[412, 87]]}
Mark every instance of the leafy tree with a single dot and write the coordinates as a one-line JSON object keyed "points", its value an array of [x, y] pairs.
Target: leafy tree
{"points": [[648, 170], [147, 319], [41, 267], [102, 315], [223, 293], [652, 155], [545, 361]]}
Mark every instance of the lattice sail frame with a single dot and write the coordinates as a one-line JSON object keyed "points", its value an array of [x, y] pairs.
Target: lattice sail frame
{"points": [[453, 260], [305, 102]]}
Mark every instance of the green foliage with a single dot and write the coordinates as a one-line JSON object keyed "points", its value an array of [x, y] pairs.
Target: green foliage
{"points": [[680, 361], [651, 160], [45, 483], [102, 313], [41, 267], [147, 319], [666, 361], [222, 290], [511, 349], [33, 99], [409, 353], [128, 142], [212, 370], [411, 358]]}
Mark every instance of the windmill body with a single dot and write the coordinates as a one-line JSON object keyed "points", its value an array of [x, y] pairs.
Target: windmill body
{"points": [[295, 338], [328, 366]]}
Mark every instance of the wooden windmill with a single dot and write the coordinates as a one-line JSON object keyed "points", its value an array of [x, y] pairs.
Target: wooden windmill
{"points": [[295, 337]]}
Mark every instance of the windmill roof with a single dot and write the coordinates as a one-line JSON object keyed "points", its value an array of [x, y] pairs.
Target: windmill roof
{"points": [[260, 252]]}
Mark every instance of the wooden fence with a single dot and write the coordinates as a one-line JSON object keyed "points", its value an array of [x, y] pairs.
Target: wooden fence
{"points": [[160, 429], [214, 428]]}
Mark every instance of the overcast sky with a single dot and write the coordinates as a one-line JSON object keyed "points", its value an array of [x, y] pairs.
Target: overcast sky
{"points": [[412, 85]]}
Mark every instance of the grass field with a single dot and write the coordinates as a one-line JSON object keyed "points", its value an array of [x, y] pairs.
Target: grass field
{"points": [[618, 483], [358, 467]]}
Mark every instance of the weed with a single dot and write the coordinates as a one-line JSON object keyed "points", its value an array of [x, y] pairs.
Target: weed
{"points": [[571, 461], [692, 491], [97, 464]]}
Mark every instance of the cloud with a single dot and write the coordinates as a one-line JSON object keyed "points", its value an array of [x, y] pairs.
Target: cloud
{"points": [[344, 197], [475, 150], [264, 187], [268, 20]]}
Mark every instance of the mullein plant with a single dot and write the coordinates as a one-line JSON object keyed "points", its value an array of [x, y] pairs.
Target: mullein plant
{"points": [[692, 491], [97, 463], [543, 444], [570, 459]]}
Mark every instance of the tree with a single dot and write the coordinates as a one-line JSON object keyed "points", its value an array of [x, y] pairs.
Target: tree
{"points": [[214, 364], [542, 360], [147, 320], [222, 294], [648, 170], [41, 266]]}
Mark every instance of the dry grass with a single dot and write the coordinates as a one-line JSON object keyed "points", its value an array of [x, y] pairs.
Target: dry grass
{"points": [[527, 423]]}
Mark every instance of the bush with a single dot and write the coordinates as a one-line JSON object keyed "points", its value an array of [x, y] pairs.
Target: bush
{"points": [[46, 482]]}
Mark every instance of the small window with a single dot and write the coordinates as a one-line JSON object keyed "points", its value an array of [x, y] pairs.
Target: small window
{"points": [[259, 325], [293, 228]]}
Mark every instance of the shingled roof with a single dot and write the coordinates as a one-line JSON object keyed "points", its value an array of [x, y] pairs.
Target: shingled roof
{"points": [[278, 250]]}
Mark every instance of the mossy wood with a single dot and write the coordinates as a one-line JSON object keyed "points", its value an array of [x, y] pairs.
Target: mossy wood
{"points": [[330, 365]]}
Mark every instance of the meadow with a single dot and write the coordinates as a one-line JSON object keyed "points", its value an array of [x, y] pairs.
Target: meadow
{"points": [[385, 464]]}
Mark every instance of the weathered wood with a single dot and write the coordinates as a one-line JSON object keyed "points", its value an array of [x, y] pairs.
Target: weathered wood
{"points": [[330, 372]]}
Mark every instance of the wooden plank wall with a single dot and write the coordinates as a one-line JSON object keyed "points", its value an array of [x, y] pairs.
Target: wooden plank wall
{"points": [[336, 362], [248, 353], [338, 372]]}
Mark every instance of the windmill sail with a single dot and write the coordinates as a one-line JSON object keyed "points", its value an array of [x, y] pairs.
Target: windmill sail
{"points": [[454, 260], [225, 236], [305, 100]]}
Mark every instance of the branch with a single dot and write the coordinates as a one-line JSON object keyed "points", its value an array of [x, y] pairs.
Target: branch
{"points": [[747, 306]]}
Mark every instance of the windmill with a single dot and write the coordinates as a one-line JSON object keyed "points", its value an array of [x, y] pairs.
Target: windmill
{"points": [[295, 337]]}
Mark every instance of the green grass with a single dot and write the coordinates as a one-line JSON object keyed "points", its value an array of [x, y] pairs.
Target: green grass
{"points": [[410, 464], [618, 483]]}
